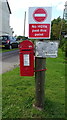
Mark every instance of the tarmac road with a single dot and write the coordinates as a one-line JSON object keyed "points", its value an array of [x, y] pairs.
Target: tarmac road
{"points": [[9, 60]]}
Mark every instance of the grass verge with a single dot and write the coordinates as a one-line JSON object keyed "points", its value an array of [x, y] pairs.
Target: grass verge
{"points": [[7, 50], [18, 93]]}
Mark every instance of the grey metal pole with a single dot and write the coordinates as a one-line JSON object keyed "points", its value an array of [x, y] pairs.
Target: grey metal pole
{"points": [[24, 23]]}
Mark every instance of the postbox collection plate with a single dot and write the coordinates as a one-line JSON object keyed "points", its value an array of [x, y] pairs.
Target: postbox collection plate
{"points": [[26, 60]]}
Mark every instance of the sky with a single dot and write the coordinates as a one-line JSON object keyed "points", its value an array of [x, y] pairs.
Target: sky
{"points": [[18, 8]]}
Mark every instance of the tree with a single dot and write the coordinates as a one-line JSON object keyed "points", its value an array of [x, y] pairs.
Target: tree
{"points": [[58, 31], [63, 42], [55, 28], [22, 38]]}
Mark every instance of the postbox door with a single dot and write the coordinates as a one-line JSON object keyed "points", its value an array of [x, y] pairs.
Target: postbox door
{"points": [[27, 63]]}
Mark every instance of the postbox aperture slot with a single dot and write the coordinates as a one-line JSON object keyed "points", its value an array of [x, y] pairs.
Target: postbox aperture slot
{"points": [[26, 50]]}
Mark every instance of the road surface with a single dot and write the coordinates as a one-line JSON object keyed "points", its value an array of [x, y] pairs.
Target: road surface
{"points": [[9, 60]]}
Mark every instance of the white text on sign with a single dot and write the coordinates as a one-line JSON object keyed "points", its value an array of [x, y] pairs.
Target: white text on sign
{"points": [[39, 26], [39, 30]]}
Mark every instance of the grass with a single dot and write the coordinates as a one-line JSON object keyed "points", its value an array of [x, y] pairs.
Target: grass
{"points": [[0, 97], [7, 50], [0, 50], [18, 93]]}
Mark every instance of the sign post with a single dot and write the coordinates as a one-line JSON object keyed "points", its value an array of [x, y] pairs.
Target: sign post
{"points": [[40, 66], [39, 28]]}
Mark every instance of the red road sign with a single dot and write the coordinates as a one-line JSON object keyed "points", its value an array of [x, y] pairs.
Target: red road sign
{"points": [[39, 30], [40, 15], [39, 22]]}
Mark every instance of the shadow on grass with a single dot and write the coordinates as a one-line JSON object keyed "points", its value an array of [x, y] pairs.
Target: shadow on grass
{"points": [[54, 109]]}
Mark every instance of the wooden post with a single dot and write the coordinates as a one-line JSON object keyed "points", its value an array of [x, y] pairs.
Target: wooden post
{"points": [[40, 63]]}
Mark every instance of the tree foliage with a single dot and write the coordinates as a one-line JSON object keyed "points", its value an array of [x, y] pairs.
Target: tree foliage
{"points": [[57, 26], [58, 32]]}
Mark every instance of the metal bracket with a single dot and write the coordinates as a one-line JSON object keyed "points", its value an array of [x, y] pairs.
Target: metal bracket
{"points": [[40, 70]]}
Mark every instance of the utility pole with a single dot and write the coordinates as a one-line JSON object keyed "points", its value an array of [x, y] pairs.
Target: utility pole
{"points": [[65, 11], [24, 23]]}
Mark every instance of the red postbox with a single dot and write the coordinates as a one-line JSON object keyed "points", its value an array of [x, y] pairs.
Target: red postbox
{"points": [[26, 58]]}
